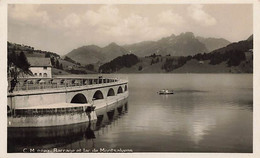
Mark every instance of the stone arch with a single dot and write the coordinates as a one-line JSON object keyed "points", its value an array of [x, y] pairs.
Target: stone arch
{"points": [[79, 98], [111, 92], [98, 95], [119, 90], [126, 87]]}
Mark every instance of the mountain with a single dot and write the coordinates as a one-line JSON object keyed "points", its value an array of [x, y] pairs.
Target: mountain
{"points": [[236, 57], [250, 38], [213, 43], [92, 54], [140, 48], [182, 45], [112, 51], [87, 54], [241, 46]]}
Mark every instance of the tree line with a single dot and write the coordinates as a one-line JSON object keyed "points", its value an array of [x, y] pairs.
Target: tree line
{"points": [[231, 57], [17, 60], [118, 63]]}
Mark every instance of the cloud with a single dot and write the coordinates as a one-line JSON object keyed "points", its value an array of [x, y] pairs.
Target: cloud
{"points": [[101, 24], [170, 18], [106, 15], [108, 23], [128, 29], [197, 13], [72, 20], [141, 28], [28, 13]]}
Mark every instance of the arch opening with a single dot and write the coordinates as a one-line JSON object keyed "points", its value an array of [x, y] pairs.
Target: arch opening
{"points": [[111, 92], [120, 90], [125, 87], [79, 98], [98, 95]]}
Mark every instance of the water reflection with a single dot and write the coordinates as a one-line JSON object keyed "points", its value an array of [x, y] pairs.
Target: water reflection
{"points": [[77, 136], [90, 135], [196, 118], [206, 114]]}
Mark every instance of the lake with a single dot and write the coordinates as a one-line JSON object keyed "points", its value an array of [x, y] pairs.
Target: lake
{"points": [[207, 113]]}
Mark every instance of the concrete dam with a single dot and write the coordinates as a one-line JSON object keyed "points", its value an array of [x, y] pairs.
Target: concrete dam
{"points": [[64, 101]]}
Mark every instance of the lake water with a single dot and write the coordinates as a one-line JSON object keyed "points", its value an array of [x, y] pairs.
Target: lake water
{"points": [[207, 113]]}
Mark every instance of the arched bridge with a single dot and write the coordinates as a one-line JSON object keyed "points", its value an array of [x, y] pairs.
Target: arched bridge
{"points": [[81, 91]]}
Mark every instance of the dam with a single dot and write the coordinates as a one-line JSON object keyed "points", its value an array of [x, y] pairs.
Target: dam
{"points": [[64, 101]]}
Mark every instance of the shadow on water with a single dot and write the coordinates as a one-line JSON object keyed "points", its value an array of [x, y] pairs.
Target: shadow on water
{"points": [[24, 139]]}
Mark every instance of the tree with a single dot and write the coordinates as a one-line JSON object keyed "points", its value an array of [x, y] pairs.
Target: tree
{"points": [[12, 58], [22, 62], [18, 64], [140, 68], [57, 64], [157, 60], [236, 59], [90, 67], [152, 62], [69, 60], [61, 67], [47, 55], [116, 64], [52, 62]]}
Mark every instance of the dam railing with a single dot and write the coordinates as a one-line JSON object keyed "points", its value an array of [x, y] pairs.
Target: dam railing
{"points": [[25, 84]]}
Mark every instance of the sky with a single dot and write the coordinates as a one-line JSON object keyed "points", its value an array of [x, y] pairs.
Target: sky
{"points": [[61, 28]]}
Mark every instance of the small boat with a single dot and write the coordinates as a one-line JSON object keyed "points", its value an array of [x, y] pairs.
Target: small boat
{"points": [[165, 91]]}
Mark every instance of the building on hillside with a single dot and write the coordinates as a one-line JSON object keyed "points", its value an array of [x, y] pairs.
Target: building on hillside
{"points": [[40, 67], [201, 62]]}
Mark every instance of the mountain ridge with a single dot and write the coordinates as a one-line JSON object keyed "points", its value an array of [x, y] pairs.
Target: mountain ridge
{"points": [[213, 43], [183, 44], [236, 57]]}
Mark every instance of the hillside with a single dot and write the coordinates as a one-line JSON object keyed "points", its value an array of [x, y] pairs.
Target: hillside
{"points": [[183, 44], [18, 54], [192, 66], [112, 51], [93, 54], [118, 63], [237, 46], [87, 54], [213, 43], [234, 58]]}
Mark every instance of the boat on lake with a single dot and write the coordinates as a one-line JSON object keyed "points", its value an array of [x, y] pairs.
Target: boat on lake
{"points": [[165, 92]]}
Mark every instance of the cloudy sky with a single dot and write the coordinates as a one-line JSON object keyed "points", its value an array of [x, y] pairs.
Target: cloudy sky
{"points": [[61, 28]]}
